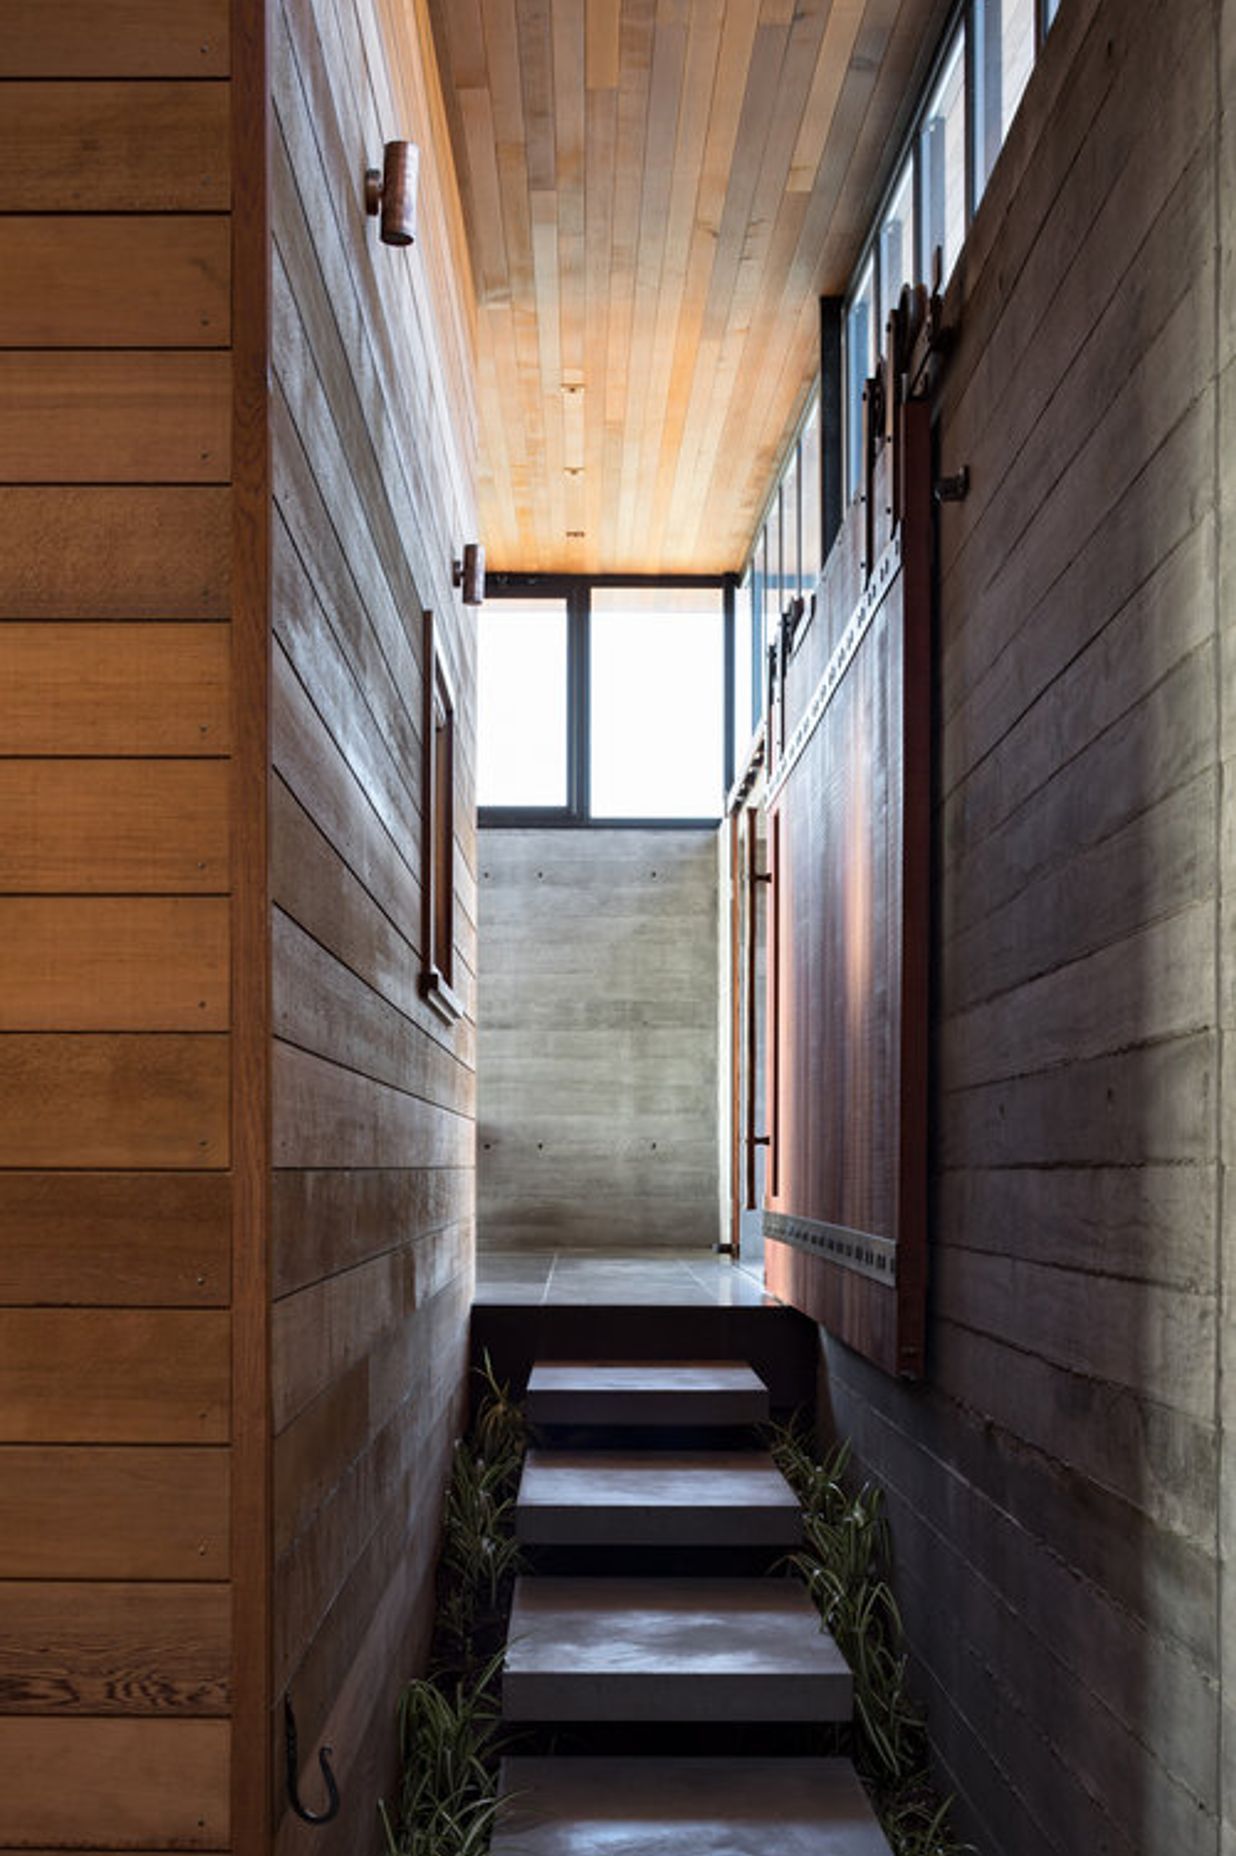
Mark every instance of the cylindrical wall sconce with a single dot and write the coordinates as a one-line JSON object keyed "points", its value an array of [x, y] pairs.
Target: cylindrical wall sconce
{"points": [[469, 574], [392, 192]]}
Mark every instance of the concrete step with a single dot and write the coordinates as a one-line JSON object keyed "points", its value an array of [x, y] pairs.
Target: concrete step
{"points": [[670, 1650], [685, 1807], [779, 1343], [620, 1392], [655, 1498]]}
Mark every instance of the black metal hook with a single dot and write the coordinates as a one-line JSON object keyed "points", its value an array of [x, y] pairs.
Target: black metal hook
{"points": [[293, 1773]]}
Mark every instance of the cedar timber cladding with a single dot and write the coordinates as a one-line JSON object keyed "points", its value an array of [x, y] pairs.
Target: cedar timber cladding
{"points": [[373, 1095], [209, 779], [117, 889], [657, 193]]}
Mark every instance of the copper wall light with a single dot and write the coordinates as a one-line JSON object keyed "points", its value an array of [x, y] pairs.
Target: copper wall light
{"points": [[392, 192], [469, 574]]}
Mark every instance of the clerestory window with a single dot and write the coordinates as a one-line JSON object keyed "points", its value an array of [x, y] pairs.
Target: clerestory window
{"points": [[606, 702]]}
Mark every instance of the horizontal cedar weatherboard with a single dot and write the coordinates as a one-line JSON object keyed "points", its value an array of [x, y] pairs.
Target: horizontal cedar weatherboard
{"points": [[113, 963], [124, 1782], [115, 553], [103, 417], [88, 688], [114, 1375], [72, 147], [89, 1239], [113, 1648], [139, 282], [132, 1100], [124, 825], [104, 1512], [115, 38]]}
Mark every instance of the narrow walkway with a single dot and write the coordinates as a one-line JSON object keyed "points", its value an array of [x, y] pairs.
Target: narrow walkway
{"points": [[657, 1278]]}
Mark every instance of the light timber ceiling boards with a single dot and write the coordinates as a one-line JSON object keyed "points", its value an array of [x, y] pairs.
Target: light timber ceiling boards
{"points": [[657, 192]]}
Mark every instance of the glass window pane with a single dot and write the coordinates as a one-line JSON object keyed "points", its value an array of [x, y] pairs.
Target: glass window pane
{"points": [[522, 703], [811, 492], [758, 583], [790, 541], [897, 265], [744, 720], [772, 580], [859, 365], [943, 151], [1003, 60], [657, 715]]}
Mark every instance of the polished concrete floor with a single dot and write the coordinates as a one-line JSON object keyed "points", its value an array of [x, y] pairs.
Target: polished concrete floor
{"points": [[659, 1279]]}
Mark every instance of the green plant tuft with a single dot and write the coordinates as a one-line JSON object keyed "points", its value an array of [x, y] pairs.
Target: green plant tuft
{"points": [[449, 1720], [448, 1744], [844, 1564], [501, 1428]]}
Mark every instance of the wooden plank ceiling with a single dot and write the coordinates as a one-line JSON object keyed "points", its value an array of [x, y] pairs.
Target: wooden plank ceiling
{"points": [[656, 193]]}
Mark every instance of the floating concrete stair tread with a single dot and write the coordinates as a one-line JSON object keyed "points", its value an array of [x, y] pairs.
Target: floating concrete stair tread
{"points": [[685, 1807], [700, 1392], [670, 1650], [655, 1498]]}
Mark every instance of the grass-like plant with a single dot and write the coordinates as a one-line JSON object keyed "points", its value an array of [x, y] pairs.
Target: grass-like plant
{"points": [[501, 1427], [480, 1554], [447, 1744], [844, 1564], [449, 1720]]}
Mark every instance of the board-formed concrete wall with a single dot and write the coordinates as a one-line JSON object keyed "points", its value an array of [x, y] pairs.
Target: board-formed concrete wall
{"points": [[372, 1093], [597, 1042], [1055, 1485]]}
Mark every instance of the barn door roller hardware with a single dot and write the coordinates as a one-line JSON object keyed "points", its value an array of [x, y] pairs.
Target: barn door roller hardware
{"points": [[391, 191], [954, 489], [293, 1773]]}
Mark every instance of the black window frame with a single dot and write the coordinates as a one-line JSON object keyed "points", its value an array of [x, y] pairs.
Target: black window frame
{"points": [[576, 590], [834, 382], [961, 18]]}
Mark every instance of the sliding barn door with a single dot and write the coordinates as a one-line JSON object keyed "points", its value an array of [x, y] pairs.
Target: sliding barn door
{"points": [[848, 835]]}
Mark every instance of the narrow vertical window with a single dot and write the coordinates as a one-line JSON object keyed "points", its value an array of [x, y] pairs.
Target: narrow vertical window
{"points": [[745, 717], [438, 834], [522, 703], [859, 365], [811, 499], [657, 709], [791, 533], [942, 143], [759, 581], [898, 265], [1003, 60], [774, 586]]}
